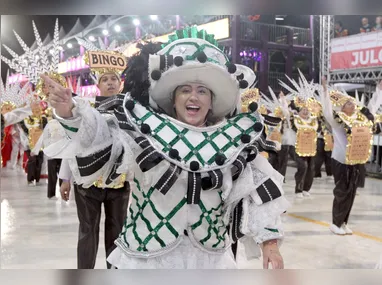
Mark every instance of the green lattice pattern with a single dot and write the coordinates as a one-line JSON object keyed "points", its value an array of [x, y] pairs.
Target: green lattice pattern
{"points": [[209, 136], [213, 223]]}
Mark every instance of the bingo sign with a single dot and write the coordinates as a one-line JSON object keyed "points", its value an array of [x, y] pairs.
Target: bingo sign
{"points": [[356, 52], [99, 60]]}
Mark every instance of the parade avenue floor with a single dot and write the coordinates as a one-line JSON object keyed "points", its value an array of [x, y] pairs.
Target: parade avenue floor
{"points": [[38, 233]]}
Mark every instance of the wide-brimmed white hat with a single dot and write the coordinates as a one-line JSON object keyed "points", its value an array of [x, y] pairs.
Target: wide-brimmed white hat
{"points": [[192, 56]]}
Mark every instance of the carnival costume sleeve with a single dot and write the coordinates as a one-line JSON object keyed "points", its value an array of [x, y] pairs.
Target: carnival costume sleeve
{"points": [[17, 115], [65, 173], [94, 144], [258, 202]]}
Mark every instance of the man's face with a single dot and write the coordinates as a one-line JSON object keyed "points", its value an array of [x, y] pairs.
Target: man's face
{"points": [[109, 84], [36, 109], [348, 108], [337, 26], [304, 113], [378, 20], [365, 21]]}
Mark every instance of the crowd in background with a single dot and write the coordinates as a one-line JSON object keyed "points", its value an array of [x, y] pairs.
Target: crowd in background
{"points": [[340, 31]]}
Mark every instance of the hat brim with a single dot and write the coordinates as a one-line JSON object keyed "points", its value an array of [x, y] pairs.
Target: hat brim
{"points": [[225, 89]]}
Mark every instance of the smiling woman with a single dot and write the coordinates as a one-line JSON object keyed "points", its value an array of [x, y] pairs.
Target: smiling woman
{"points": [[189, 154], [192, 104]]}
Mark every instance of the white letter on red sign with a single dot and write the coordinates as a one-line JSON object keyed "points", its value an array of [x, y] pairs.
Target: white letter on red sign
{"points": [[355, 61], [372, 58], [365, 59]]}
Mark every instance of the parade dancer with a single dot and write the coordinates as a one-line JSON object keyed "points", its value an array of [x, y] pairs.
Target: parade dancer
{"points": [[305, 124], [195, 172], [89, 200], [351, 124], [13, 110], [278, 113]]}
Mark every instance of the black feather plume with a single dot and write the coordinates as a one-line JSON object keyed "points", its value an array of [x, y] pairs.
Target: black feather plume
{"points": [[136, 74]]}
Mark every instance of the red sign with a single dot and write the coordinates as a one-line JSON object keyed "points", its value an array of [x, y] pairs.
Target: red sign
{"points": [[358, 51]]}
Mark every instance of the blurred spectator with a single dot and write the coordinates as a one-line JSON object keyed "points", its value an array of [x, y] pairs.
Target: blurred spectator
{"points": [[366, 28], [339, 30], [378, 23]]}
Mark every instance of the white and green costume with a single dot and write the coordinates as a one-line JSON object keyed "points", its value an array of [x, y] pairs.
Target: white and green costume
{"points": [[194, 190]]}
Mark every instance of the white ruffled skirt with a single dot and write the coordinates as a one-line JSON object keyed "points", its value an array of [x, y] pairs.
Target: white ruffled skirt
{"points": [[184, 256]]}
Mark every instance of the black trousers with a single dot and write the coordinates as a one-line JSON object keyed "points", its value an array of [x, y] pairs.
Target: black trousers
{"points": [[274, 160], [34, 166], [292, 152], [304, 174], [346, 178], [53, 170], [321, 157], [283, 159], [89, 202]]}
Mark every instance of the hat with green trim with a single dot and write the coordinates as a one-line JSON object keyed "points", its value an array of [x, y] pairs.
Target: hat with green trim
{"points": [[193, 56]]}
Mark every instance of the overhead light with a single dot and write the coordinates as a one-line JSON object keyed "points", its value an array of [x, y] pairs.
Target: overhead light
{"points": [[105, 32], [279, 19], [154, 17], [295, 38], [117, 28], [136, 22], [92, 38], [69, 45]]}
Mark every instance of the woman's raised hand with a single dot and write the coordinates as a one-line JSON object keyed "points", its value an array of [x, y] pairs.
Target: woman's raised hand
{"points": [[59, 97]]}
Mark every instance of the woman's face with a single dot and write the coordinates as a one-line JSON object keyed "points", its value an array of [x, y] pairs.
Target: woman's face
{"points": [[192, 103]]}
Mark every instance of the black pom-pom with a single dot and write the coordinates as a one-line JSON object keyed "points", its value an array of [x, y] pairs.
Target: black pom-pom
{"points": [[130, 105], [156, 74], [245, 138], [240, 77], [253, 106], [194, 165], [178, 60], [243, 84], [258, 127], [145, 128], [174, 153], [202, 57], [220, 159], [231, 68]]}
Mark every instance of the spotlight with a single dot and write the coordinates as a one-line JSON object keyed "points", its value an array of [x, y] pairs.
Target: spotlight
{"points": [[105, 32], [117, 28], [69, 45], [154, 17], [92, 38], [136, 22]]}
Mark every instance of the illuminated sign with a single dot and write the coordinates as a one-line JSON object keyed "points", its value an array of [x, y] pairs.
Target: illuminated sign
{"points": [[218, 28], [89, 91], [99, 59], [72, 65]]}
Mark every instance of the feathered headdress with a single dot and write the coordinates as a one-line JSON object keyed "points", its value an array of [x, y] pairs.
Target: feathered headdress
{"points": [[40, 61], [275, 106], [13, 95], [304, 94]]}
